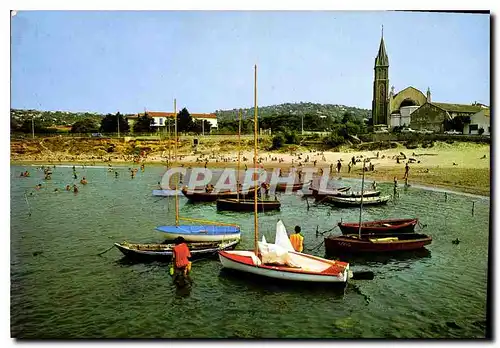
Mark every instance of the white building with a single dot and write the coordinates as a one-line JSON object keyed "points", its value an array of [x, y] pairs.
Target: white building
{"points": [[480, 119], [161, 119], [403, 117]]}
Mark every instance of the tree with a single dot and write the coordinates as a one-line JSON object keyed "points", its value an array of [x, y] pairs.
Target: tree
{"points": [[84, 126], [40, 126], [143, 124], [278, 141], [184, 121], [109, 124], [456, 123]]}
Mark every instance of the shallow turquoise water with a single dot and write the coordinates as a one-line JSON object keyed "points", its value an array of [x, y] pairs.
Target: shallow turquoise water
{"points": [[60, 288]]}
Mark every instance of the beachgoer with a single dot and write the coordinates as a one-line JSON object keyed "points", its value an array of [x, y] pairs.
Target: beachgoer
{"points": [[83, 181], [339, 166], [297, 240], [395, 187], [181, 255], [374, 185], [349, 166], [407, 169], [68, 188], [75, 189]]}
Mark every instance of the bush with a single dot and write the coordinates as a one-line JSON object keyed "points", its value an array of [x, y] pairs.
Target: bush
{"points": [[333, 140], [291, 138], [278, 141]]}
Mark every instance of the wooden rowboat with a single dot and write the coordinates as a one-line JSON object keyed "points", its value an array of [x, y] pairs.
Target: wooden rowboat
{"points": [[387, 243], [202, 196], [319, 195], [379, 226], [233, 204], [283, 187], [356, 202], [356, 194], [164, 251]]}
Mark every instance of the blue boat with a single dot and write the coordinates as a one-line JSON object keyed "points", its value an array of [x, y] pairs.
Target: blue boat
{"points": [[201, 233]]}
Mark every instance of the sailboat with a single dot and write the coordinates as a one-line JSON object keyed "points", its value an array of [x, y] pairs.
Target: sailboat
{"points": [[279, 260], [384, 242], [167, 192], [210, 231], [246, 203]]}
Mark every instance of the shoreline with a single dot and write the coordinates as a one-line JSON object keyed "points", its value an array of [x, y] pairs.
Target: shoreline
{"points": [[383, 175], [460, 166]]}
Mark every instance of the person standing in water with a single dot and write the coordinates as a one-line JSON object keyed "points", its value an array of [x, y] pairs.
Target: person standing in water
{"points": [[181, 255], [297, 240]]}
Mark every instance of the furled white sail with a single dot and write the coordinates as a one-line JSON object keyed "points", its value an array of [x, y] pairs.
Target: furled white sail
{"points": [[277, 253], [282, 237]]}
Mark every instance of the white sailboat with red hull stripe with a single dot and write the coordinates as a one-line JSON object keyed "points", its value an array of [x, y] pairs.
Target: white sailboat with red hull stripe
{"points": [[280, 260]]}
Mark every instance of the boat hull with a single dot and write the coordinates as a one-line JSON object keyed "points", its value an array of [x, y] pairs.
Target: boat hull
{"points": [[241, 261], [282, 187], [166, 193], [164, 251], [357, 194], [202, 196], [356, 202], [319, 195], [351, 244], [200, 233], [380, 226], [247, 205]]}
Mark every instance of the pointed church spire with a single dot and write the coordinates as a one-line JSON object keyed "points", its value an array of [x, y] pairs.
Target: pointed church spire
{"points": [[382, 59]]}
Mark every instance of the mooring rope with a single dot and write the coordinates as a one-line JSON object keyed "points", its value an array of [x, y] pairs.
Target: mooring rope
{"points": [[324, 232], [105, 251]]}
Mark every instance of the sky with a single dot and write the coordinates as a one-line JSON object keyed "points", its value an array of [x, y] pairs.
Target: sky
{"points": [[128, 61]]}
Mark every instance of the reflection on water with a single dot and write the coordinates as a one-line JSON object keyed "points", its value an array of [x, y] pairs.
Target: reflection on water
{"points": [[253, 282], [383, 258]]}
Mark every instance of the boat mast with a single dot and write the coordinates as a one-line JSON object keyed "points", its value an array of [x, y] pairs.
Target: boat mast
{"points": [[361, 205], [239, 156], [256, 222], [175, 159]]}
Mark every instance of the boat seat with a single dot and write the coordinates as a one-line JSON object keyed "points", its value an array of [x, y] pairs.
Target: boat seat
{"points": [[384, 240]]}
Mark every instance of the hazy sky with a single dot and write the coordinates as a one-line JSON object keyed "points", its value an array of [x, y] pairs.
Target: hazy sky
{"points": [[127, 61]]}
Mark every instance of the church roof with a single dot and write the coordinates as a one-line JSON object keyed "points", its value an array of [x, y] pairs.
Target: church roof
{"points": [[458, 107], [382, 59]]}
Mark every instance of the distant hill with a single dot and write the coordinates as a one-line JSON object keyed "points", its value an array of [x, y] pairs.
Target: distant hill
{"points": [[67, 118], [53, 118], [327, 110]]}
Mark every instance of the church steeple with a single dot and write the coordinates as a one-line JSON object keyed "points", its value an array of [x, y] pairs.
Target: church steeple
{"points": [[382, 59], [380, 102]]}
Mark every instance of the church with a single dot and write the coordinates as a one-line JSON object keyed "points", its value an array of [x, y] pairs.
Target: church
{"points": [[410, 107]]}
